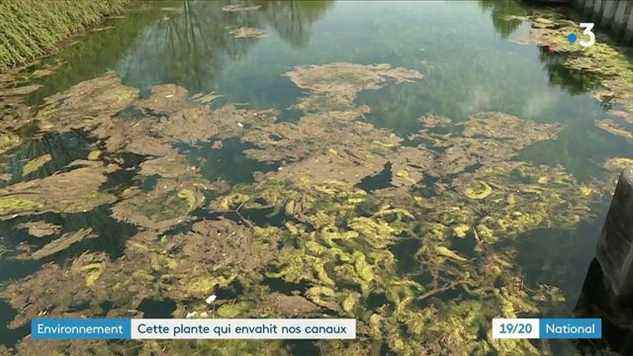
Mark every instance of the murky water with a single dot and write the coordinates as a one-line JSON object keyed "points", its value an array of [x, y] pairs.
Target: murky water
{"points": [[470, 64]]}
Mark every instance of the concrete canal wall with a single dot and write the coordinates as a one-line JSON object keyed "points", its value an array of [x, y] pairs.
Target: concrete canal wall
{"points": [[615, 247], [615, 16]]}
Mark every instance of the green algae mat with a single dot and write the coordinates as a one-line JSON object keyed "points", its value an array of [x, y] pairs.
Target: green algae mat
{"points": [[420, 167]]}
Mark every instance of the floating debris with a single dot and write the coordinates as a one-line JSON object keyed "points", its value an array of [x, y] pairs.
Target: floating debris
{"points": [[62, 243], [9, 141], [486, 138], [40, 73], [164, 100], [615, 128], [40, 228], [52, 193], [516, 197], [35, 164], [314, 141], [503, 126], [85, 105], [100, 29], [211, 299], [94, 155], [64, 290], [202, 123], [340, 83], [168, 204], [247, 32], [432, 121], [620, 125], [19, 91], [169, 166], [287, 305], [348, 79], [478, 190], [410, 165], [205, 98], [240, 8], [618, 164]]}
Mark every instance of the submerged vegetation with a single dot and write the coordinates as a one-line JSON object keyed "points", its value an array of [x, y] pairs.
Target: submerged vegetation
{"points": [[31, 28], [423, 258], [333, 241], [608, 64]]}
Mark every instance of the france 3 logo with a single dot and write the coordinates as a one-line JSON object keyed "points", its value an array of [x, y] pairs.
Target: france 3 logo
{"points": [[588, 26]]}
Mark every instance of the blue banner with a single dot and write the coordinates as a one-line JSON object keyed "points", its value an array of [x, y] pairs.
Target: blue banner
{"points": [[570, 328], [78, 328]]}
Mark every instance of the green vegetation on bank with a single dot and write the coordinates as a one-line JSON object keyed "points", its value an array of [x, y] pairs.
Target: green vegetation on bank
{"points": [[31, 28]]}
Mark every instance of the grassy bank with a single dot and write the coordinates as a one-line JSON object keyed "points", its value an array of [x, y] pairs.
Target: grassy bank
{"points": [[31, 28]]}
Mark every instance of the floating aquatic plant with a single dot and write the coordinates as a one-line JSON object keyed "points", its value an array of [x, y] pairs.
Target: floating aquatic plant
{"points": [[330, 244], [52, 194], [40, 228], [247, 32], [35, 164], [620, 125], [240, 8], [9, 141]]}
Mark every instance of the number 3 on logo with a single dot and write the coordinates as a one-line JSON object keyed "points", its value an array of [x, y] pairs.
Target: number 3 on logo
{"points": [[588, 26]]}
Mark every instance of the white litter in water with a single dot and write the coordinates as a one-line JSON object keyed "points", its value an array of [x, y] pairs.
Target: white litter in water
{"points": [[210, 299]]}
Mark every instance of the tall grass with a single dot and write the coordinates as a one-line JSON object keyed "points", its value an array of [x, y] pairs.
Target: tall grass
{"points": [[32, 28]]}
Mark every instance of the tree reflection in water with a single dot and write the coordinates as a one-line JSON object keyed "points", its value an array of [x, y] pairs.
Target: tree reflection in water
{"points": [[501, 12], [191, 45]]}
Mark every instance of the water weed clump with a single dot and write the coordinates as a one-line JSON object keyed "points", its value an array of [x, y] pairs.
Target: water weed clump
{"points": [[32, 28], [40, 228], [51, 194], [608, 64], [620, 124], [247, 32]]}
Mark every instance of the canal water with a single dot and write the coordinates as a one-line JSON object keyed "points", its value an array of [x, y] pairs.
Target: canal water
{"points": [[471, 64]]}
